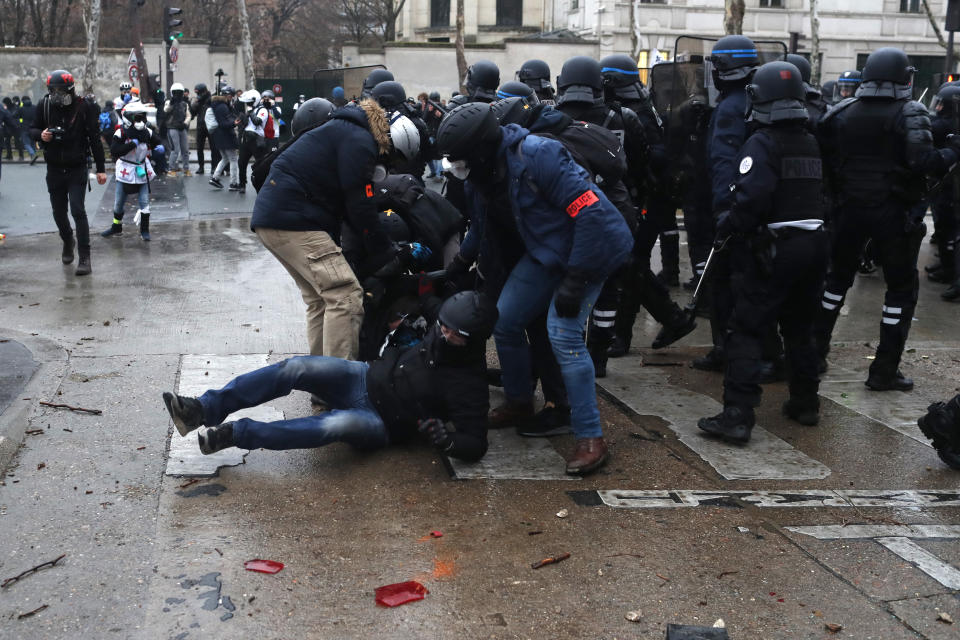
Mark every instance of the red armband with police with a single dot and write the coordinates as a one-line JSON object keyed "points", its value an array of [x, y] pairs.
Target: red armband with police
{"points": [[585, 199]]}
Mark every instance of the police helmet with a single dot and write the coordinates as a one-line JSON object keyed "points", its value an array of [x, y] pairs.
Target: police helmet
{"points": [[435, 96], [734, 57], [776, 93], [482, 80], [389, 94], [517, 89], [580, 80], [374, 78], [394, 226], [846, 85], [802, 64], [828, 88], [622, 76], [404, 135], [469, 313], [535, 74], [469, 130], [887, 74], [513, 111], [311, 113], [947, 99]]}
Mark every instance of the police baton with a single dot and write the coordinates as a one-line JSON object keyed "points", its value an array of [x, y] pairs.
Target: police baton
{"points": [[718, 246]]}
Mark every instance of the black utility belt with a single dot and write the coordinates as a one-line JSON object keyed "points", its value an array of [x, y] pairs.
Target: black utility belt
{"points": [[782, 233]]}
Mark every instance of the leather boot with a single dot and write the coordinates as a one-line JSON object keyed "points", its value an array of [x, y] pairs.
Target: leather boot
{"points": [[67, 254], [805, 410], [83, 265], [588, 455], [734, 424]]}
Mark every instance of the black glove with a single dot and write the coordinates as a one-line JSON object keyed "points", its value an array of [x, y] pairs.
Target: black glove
{"points": [[436, 433], [455, 272], [373, 292], [570, 295], [725, 226]]}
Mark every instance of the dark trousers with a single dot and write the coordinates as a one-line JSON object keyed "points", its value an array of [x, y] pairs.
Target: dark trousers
{"points": [[896, 244], [68, 187], [203, 137], [787, 294], [698, 222], [250, 147]]}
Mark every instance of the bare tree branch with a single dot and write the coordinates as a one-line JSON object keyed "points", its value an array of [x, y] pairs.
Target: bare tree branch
{"points": [[936, 27]]}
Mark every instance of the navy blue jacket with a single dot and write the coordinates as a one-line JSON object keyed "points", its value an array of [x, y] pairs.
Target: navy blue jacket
{"points": [[565, 221], [325, 178], [727, 133]]}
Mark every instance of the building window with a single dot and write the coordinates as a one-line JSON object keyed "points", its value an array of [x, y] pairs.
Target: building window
{"points": [[771, 4], [574, 5], [653, 1], [509, 13], [909, 6], [439, 13]]}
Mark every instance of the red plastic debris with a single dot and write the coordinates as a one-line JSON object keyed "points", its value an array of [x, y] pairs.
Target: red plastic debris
{"points": [[394, 595], [263, 566], [436, 534]]}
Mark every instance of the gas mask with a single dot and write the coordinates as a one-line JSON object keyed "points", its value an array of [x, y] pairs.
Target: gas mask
{"points": [[61, 98], [139, 125], [459, 169]]}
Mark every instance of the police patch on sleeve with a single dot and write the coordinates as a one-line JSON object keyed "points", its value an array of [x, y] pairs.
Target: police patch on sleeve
{"points": [[746, 164]]}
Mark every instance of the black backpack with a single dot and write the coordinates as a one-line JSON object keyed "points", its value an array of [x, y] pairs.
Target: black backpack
{"points": [[595, 148]]}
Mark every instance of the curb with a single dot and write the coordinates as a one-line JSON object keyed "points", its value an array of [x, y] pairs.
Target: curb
{"points": [[52, 360]]}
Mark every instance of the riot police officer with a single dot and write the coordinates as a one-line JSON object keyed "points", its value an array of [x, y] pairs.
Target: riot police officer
{"points": [[517, 89], [483, 78], [877, 147], [945, 220], [536, 75], [827, 92], [580, 96], [374, 78], [813, 99], [734, 61], [779, 252], [847, 85]]}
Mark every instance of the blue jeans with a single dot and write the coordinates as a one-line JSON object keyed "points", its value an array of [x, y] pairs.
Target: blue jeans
{"points": [[28, 142], [341, 384], [528, 292], [143, 196]]}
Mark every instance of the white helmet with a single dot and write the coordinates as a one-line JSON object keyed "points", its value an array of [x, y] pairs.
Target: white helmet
{"points": [[404, 135], [125, 86], [131, 112], [251, 96], [176, 86]]}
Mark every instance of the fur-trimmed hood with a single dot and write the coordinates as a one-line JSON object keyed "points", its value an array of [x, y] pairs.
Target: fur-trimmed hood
{"points": [[369, 115], [226, 99]]}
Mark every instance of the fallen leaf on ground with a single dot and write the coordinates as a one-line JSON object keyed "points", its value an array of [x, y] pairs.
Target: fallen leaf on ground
{"points": [[833, 627]]}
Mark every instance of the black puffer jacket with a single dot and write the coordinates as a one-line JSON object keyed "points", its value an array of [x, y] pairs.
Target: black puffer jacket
{"points": [[326, 177], [434, 380], [81, 134], [225, 135]]}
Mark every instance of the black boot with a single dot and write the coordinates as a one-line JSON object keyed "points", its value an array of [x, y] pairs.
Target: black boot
{"points": [[115, 229], [880, 380], [734, 424], [680, 325], [218, 438], [670, 258], [187, 413], [83, 264], [145, 226], [805, 410], [952, 294], [619, 348], [67, 254], [713, 361]]}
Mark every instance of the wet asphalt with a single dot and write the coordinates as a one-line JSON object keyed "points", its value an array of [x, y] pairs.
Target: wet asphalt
{"points": [[155, 556]]}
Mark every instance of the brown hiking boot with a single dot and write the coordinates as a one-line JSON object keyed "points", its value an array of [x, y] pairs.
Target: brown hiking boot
{"points": [[589, 455], [511, 414]]}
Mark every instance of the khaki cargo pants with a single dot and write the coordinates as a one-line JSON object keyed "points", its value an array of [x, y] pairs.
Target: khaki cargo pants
{"points": [[328, 285]]}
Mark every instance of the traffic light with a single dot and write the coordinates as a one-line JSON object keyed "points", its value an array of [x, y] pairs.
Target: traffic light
{"points": [[173, 24]]}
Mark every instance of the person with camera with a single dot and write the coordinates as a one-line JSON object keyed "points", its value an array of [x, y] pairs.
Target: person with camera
{"points": [[68, 130]]}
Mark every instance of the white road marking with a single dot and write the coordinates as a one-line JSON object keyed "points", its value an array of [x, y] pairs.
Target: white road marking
{"points": [[854, 531], [945, 574], [896, 410], [766, 457], [679, 498], [512, 457], [197, 374]]}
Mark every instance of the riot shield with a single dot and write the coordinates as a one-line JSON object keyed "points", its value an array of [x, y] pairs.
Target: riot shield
{"points": [[350, 78]]}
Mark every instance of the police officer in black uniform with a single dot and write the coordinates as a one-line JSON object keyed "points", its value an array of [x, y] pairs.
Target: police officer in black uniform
{"points": [[846, 85], [877, 147], [68, 131], [536, 75], [483, 78], [778, 252], [945, 222], [813, 99], [581, 97], [374, 78]]}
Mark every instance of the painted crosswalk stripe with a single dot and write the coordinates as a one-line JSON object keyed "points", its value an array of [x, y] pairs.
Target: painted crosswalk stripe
{"points": [[767, 457], [512, 457], [856, 498], [896, 410], [197, 374]]}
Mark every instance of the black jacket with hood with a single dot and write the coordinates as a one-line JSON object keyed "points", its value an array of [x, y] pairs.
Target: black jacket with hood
{"points": [[326, 177], [81, 134]]}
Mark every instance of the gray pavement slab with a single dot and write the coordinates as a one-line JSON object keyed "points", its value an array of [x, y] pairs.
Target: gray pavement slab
{"points": [[18, 367]]}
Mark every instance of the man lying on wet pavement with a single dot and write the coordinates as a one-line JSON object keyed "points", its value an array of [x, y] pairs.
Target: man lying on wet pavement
{"points": [[440, 379]]}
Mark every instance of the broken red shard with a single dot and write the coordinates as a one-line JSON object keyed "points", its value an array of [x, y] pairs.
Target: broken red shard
{"points": [[436, 534], [263, 566], [394, 595]]}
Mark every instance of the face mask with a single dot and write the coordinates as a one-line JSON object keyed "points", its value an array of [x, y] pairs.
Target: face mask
{"points": [[459, 169], [140, 126], [61, 98]]}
